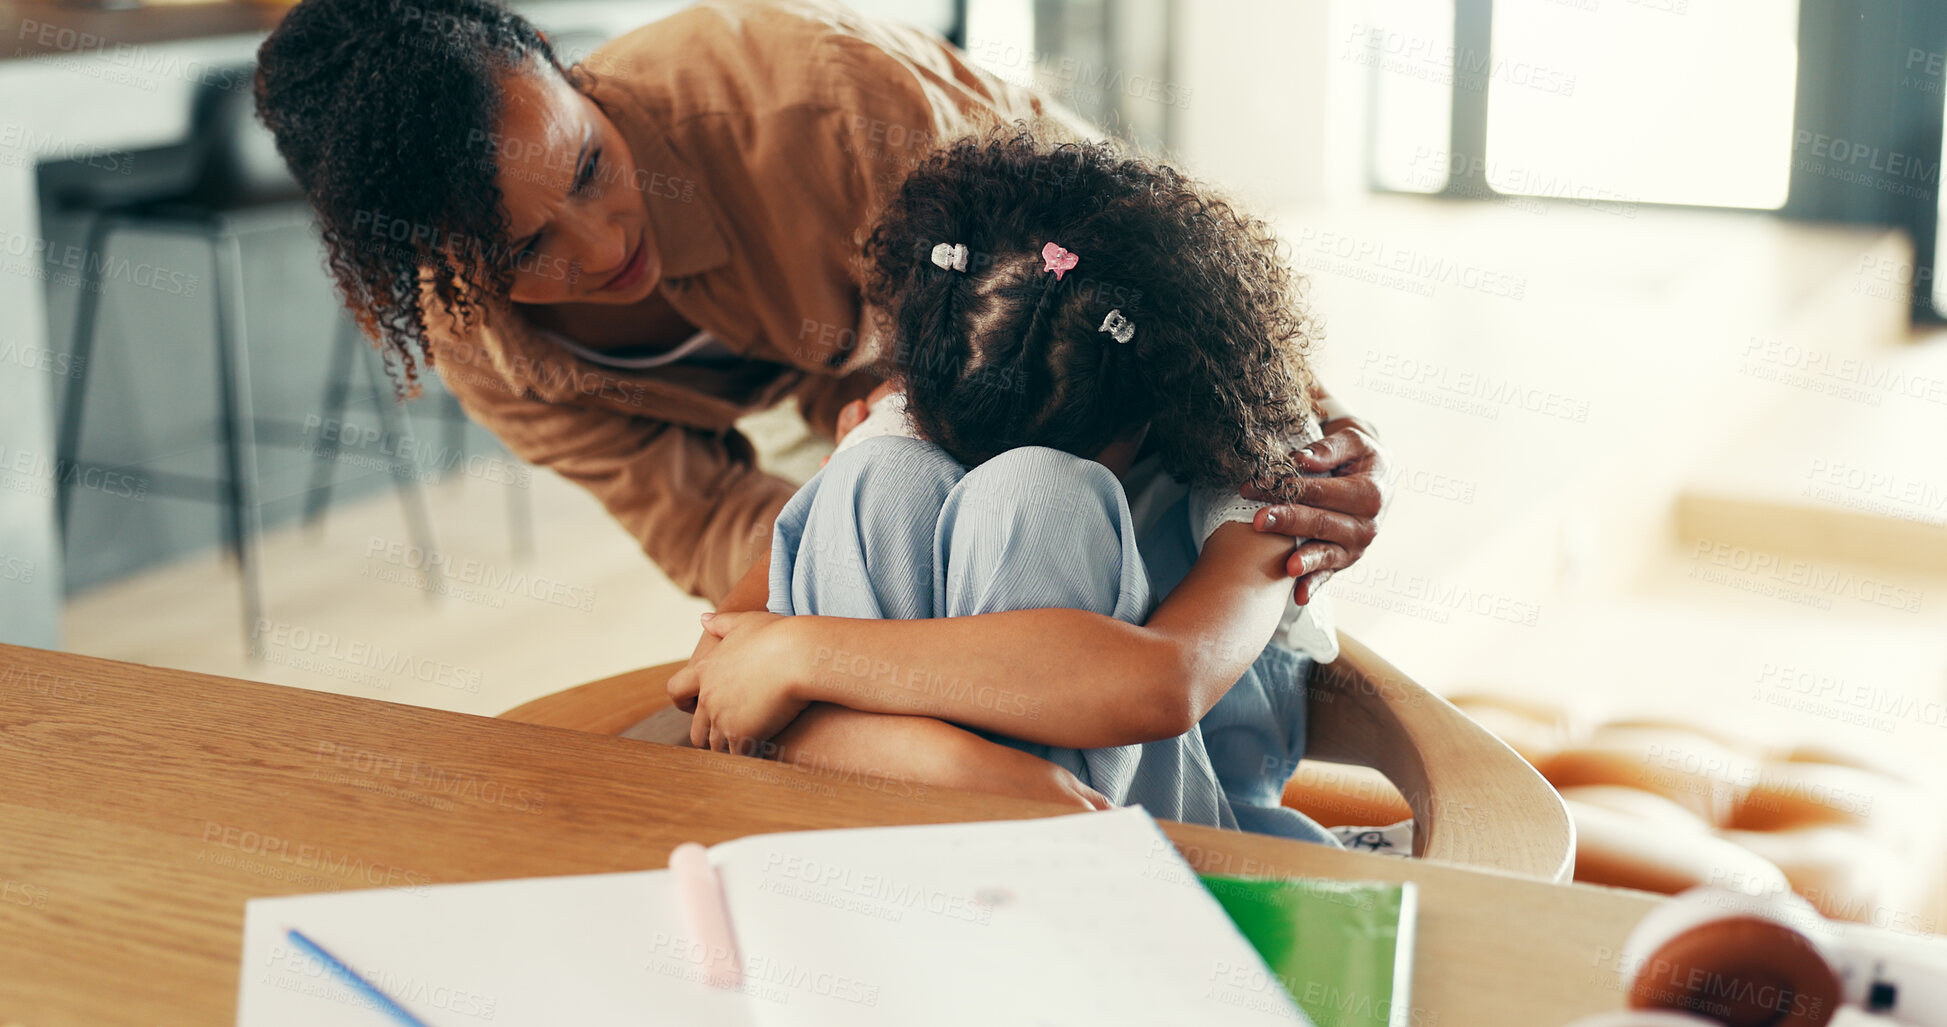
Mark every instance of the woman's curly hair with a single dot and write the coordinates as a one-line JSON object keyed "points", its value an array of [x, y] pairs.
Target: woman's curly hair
{"points": [[386, 113], [1005, 354]]}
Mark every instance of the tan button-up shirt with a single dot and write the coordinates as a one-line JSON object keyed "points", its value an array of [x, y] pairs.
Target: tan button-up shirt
{"points": [[765, 136]]}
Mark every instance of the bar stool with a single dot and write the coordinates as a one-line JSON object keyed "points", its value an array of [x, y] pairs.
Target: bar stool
{"points": [[347, 348], [225, 181]]}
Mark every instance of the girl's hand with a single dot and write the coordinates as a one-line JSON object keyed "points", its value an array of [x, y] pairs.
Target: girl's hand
{"points": [[1069, 790], [742, 691]]}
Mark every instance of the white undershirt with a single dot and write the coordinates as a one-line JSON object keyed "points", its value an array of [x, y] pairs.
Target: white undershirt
{"points": [[702, 346]]}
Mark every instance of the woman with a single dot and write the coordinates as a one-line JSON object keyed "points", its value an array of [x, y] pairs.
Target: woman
{"points": [[618, 264], [610, 264]]}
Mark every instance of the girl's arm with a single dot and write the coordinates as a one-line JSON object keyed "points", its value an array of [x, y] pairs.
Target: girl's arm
{"points": [[906, 755], [900, 755], [1065, 677], [1054, 676]]}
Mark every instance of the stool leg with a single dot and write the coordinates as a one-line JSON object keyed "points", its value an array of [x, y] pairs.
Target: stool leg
{"points": [[453, 420], [394, 423], [520, 517], [239, 426], [345, 344], [67, 448], [520, 501]]}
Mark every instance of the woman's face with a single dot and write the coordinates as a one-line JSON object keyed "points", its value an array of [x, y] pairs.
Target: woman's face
{"points": [[579, 227]]}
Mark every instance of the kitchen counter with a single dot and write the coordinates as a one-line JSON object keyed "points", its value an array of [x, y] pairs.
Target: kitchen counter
{"points": [[50, 29]]}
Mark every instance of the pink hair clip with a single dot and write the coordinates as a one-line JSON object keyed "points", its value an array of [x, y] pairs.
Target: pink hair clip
{"points": [[1058, 260]]}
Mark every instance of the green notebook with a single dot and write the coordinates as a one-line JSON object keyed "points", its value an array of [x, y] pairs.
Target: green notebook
{"points": [[1343, 950]]}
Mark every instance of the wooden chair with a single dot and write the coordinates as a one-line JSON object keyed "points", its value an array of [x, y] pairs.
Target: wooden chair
{"points": [[1474, 801]]}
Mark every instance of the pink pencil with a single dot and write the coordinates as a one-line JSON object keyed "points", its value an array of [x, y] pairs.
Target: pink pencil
{"points": [[701, 895]]}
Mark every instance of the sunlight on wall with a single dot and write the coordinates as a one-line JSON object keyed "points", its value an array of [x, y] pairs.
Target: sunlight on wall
{"points": [[1657, 101]]}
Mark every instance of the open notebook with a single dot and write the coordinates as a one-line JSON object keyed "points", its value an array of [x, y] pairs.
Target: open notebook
{"points": [[1088, 918]]}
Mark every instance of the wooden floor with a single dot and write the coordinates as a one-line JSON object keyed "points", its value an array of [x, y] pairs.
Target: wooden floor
{"points": [[348, 611]]}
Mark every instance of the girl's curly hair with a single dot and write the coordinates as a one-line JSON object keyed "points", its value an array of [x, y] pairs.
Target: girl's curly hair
{"points": [[385, 112], [1005, 354]]}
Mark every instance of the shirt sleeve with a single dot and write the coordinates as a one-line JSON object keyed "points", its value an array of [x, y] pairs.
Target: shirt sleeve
{"points": [[1211, 507], [694, 500], [903, 100]]}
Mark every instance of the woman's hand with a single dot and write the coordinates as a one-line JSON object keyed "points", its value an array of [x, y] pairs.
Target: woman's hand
{"points": [[1339, 515], [742, 691]]}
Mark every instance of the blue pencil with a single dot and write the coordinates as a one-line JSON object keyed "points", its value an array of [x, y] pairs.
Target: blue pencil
{"points": [[352, 979]]}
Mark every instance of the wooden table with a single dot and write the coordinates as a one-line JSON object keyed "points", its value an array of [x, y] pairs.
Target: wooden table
{"points": [[140, 808]]}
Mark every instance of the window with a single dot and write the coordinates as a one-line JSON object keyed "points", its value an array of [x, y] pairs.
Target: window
{"points": [[1940, 238], [1655, 101]]}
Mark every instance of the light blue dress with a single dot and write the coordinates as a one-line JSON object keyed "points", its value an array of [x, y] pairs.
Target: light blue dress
{"points": [[895, 528]]}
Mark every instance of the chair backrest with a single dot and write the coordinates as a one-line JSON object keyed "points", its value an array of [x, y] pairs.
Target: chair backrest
{"points": [[228, 159], [1475, 802], [606, 707], [240, 162]]}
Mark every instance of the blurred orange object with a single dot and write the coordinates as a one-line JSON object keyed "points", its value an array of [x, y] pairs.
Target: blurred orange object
{"points": [[1661, 805]]}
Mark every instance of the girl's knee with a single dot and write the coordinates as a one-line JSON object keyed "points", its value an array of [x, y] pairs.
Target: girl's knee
{"points": [[1036, 527], [891, 467], [1042, 481], [857, 540]]}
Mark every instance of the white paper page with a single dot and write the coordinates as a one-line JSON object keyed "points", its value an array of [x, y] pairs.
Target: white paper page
{"points": [[1089, 918], [596, 950]]}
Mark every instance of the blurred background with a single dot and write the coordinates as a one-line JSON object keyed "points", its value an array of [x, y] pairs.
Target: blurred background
{"points": [[1641, 295]]}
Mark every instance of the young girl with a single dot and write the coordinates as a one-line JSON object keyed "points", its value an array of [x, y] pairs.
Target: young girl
{"points": [[1093, 354]]}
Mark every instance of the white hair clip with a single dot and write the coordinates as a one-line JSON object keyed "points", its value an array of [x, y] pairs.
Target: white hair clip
{"points": [[1120, 328], [950, 255]]}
